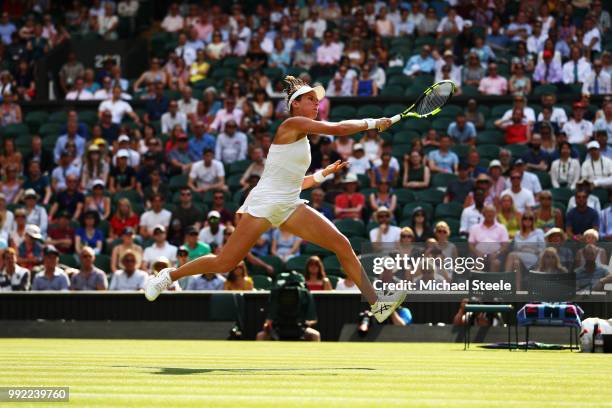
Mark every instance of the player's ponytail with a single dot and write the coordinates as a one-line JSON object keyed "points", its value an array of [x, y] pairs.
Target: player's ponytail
{"points": [[292, 84]]}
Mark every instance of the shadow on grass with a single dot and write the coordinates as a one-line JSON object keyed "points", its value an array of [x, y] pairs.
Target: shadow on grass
{"points": [[231, 371]]}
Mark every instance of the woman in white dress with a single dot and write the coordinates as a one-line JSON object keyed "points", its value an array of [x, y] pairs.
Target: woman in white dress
{"points": [[275, 201]]}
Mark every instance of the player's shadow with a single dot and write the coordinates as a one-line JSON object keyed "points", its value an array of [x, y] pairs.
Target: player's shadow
{"points": [[232, 371]]}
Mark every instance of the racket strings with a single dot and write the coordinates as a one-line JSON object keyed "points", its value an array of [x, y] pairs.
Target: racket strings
{"points": [[435, 99]]}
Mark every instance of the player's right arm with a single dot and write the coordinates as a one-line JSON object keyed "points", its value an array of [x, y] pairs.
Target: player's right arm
{"points": [[304, 125]]}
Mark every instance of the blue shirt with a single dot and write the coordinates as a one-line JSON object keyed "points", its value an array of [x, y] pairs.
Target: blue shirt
{"points": [[60, 145], [90, 242], [201, 283], [6, 30], [197, 146], [446, 162], [605, 222], [585, 280], [426, 65], [59, 281], [582, 221], [157, 107], [461, 135]]}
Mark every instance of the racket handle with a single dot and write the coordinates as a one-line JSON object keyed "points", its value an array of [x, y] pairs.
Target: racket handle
{"points": [[395, 119]]}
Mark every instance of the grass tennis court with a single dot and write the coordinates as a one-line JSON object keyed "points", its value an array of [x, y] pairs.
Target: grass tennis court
{"points": [[224, 374]]}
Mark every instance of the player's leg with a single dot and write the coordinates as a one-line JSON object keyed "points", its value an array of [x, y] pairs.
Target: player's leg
{"points": [[248, 230], [312, 226]]}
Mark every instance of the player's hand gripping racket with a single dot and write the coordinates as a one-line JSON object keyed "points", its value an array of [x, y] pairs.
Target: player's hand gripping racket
{"points": [[430, 102]]}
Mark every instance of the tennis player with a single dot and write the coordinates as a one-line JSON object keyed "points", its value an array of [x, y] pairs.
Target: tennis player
{"points": [[275, 201]]}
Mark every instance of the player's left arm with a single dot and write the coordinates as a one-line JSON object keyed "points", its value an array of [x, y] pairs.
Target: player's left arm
{"points": [[335, 167]]}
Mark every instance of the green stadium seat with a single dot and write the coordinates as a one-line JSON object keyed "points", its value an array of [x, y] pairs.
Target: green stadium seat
{"points": [[405, 137], [392, 90], [562, 194], [296, 71], [332, 265], [89, 117], [36, 119], [232, 62], [600, 193], [131, 195], [582, 151], [398, 151], [273, 261], [222, 73], [357, 243], [400, 79], [350, 227], [233, 181], [543, 90], [297, 263], [461, 150], [494, 137], [517, 150], [404, 196], [239, 166], [544, 178], [333, 280], [103, 262], [490, 124], [431, 195], [70, 261], [15, 130], [419, 125], [369, 111], [393, 109], [442, 179], [48, 142], [488, 151], [343, 111], [422, 82], [313, 249], [59, 117], [449, 210], [469, 91], [391, 71], [441, 124], [178, 181], [498, 110], [450, 111], [261, 282], [408, 208]]}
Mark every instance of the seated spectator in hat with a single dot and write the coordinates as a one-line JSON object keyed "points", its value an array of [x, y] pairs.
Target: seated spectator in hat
{"points": [[596, 168], [125, 244], [124, 217], [589, 276], [461, 130], [97, 201], [29, 252], [88, 234], [238, 278], [384, 232], [129, 277], [489, 239], [581, 218], [443, 160], [592, 200], [317, 202], [212, 233], [548, 70], [160, 247], [591, 237], [421, 63], [207, 174], [61, 234], [70, 200], [13, 277], [37, 181], [124, 144], [535, 158], [89, 276], [157, 215], [416, 174], [161, 263], [457, 190], [578, 130], [35, 213], [349, 204], [51, 277], [598, 82], [493, 84], [122, 177], [419, 224], [193, 245]]}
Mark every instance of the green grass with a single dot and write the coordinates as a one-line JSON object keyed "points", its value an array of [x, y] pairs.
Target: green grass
{"points": [[279, 375]]}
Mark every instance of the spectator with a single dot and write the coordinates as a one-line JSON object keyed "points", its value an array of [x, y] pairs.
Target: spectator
{"points": [[472, 214], [70, 200], [43, 156], [195, 247], [473, 115], [596, 168], [316, 201], [522, 197], [592, 36], [548, 71], [10, 112], [207, 174], [124, 217], [448, 62], [549, 261], [421, 63], [89, 277], [213, 232], [200, 139], [61, 234], [206, 281], [97, 201], [372, 145], [285, 245], [581, 218], [598, 82], [484, 52], [70, 136], [122, 177], [590, 237], [420, 225], [578, 130], [519, 83], [256, 167], [516, 128], [365, 85], [238, 279], [78, 91], [69, 72], [186, 213], [508, 215], [11, 186], [328, 53], [160, 247], [428, 25], [488, 239], [473, 71], [51, 277], [223, 116], [605, 122], [172, 118], [215, 47], [350, 203], [605, 228], [180, 157], [305, 58], [547, 216], [129, 277], [601, 136], [457, 190], [157, 215], [416, 173], [118, 108], [89, 235], [526, 245], [443, 160], [535, 158], [565, 171], [493, 84], [126, 243], [577, 69], [592, 200], [451, 24], [589, 276], [13, 277], [173, 22], [383, 172], [231, 144], [157, 105], [384, 232], [7, 28], [558, 115], [315, 276], [461, 130]]}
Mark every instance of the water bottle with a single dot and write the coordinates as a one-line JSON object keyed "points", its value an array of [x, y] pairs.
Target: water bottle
{"points": [[598, 341]]}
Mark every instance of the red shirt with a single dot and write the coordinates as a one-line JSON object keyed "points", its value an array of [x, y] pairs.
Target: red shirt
{"points": [[345, 200], [62, 233], [516, 133], [118, 225]]}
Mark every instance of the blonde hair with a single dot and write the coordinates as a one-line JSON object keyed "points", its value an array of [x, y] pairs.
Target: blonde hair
{"points": [[559, 268], [592, 232], [292, 85], [443, 225]]}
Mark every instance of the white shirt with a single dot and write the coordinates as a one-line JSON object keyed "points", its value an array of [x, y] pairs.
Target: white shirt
{"points": [[133, 159], [231, 148], [604, 84], [319, 26], [104, 94], [522, 199], [528, 114], [82, 95], [172, 24], [588, 36], [342, 286], [152, 253], [121, 281], [358, 166], [188, 107], [565, 172], [578, 132], [584, 69], [168, 122], [445, 24], [208, 237], [392, 234], [117, 109], [16, 278], [188, 54], [150, 219], [529, 181], [202, 175], [558, 116], [592, 170], [470, 216]]}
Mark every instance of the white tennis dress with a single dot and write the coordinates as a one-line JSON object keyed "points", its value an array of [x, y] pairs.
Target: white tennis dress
{"points": [[277, 194]]}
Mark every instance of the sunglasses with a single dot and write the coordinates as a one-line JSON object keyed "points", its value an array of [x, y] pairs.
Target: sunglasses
{"points": [[442, 231]]}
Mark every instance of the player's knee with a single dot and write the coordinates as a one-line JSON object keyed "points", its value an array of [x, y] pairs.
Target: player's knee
{"points": [[341, 246], [225, 264]]}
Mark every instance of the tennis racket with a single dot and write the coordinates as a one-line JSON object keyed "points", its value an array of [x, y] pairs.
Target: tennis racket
{"points": [[430, 102]]}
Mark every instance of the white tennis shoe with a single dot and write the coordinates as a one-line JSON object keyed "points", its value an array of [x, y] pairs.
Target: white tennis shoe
{"points": [[158, 283], [383, 309]]}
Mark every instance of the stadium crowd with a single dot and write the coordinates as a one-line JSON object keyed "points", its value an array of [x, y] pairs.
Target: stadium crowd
{"points": [[154, 177]]}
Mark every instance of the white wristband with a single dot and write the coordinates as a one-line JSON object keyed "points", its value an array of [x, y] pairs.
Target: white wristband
{"points": [[371, 123], [318, 177]]}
